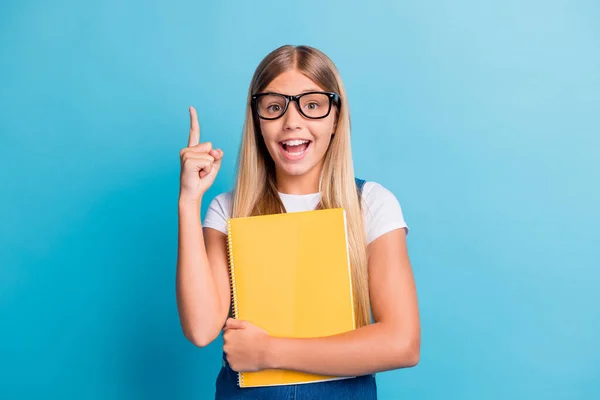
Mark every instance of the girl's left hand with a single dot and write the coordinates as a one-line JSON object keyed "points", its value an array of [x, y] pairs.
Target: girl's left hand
{"points": [[245, 345]]}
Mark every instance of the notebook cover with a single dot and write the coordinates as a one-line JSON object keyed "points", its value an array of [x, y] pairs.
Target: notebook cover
{"points": [[290, 275]]}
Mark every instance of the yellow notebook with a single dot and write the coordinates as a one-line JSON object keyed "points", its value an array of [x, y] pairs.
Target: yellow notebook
{"points": [[290, 275]]}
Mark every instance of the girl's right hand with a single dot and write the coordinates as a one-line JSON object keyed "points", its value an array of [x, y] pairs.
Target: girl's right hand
{"points": [[200, 164]]}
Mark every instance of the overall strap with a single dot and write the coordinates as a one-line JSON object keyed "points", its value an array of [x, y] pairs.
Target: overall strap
{"points": [[359, 185]]}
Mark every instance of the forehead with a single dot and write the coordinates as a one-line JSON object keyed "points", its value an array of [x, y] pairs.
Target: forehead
{"points": [[292, 82]]}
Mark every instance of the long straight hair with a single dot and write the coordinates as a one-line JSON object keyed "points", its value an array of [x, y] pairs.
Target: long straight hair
{"points": [[256, 190]]}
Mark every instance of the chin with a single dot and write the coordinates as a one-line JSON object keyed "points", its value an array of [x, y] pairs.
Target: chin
{"points": [[294, 170]]}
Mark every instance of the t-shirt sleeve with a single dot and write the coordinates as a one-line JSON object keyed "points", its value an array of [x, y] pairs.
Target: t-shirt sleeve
{"points": [[218, 213], [382, 211]]}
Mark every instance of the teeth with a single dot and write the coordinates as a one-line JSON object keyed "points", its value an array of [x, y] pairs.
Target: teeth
{"points": [[295, 142]]}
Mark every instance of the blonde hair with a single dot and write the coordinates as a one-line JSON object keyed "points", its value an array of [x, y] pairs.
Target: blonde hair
{"points": [[256, 188]]}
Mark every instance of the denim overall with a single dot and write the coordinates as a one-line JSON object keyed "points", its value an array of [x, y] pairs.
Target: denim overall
{"points": [[360, 388]]}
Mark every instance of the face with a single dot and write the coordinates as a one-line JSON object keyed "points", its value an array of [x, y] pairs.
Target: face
{"points": [[296, 143]]}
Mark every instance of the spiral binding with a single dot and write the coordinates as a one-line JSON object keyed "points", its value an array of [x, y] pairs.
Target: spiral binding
{"points": [[233, 287]]}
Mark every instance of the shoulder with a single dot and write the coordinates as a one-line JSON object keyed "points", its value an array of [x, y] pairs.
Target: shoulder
{"points": [[218, 212], [223, 201], [373, 190], [382, 210]]}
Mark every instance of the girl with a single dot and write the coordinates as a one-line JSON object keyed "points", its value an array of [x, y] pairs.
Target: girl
{"points": [[296, 156]]}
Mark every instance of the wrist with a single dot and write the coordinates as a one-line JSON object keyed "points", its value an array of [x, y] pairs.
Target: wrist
{"points": [[271, 360], [185, 201]]}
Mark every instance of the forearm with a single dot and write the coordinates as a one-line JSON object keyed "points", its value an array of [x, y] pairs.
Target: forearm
{"points": [[197, 297], [373, 348]]}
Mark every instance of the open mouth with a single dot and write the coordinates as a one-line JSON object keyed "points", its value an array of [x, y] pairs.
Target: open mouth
{"points": [[295, 148]]}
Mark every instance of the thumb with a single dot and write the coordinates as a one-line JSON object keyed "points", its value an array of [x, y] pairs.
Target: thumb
{"points": [[233, 323], [217, 154]]}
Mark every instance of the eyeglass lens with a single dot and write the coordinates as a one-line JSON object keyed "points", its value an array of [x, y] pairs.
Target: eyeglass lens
{"points": [[312, 105]]}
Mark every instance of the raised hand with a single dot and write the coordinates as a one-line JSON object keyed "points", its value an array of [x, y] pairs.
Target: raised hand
{"points": [[200, 163]]}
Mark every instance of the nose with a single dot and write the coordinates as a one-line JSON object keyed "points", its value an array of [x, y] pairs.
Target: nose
{"points": [[292, 118]]}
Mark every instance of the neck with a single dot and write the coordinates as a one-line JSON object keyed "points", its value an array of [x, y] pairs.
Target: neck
{"points": [[299, 184]]}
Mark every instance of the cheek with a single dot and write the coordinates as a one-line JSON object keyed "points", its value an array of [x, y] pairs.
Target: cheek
{"points": [[323, 130], [269, 130]]}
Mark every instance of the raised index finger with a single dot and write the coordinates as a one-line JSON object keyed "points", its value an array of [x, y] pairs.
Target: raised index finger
{"points": [[194, 128]]}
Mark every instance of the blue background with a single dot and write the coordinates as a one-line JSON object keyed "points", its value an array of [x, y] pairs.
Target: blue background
{"points": [[482, 118]]}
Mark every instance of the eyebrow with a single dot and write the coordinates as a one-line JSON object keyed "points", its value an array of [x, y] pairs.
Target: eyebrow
{"points": [[304, 91]]}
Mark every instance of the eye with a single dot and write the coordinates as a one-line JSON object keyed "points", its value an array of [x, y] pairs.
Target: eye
{"points": [[312, 105], [274, 108]]}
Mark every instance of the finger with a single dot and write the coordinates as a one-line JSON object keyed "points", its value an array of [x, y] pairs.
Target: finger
{"points": [[199, 149], [202, 164], [206, 169], [233, 323], [194, 128], [218, 159], [216, 153], [202, 147], [202, 157]]}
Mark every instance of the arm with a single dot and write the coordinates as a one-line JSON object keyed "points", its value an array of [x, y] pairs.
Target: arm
{"points": [[203, 292], [202, 282], [393, 341]]}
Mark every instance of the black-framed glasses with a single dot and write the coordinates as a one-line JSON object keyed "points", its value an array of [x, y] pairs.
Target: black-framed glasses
{"points": [[313, 105]]}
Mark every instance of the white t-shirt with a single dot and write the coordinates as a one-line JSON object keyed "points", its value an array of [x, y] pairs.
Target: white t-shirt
{"points": [[381, 210]]}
